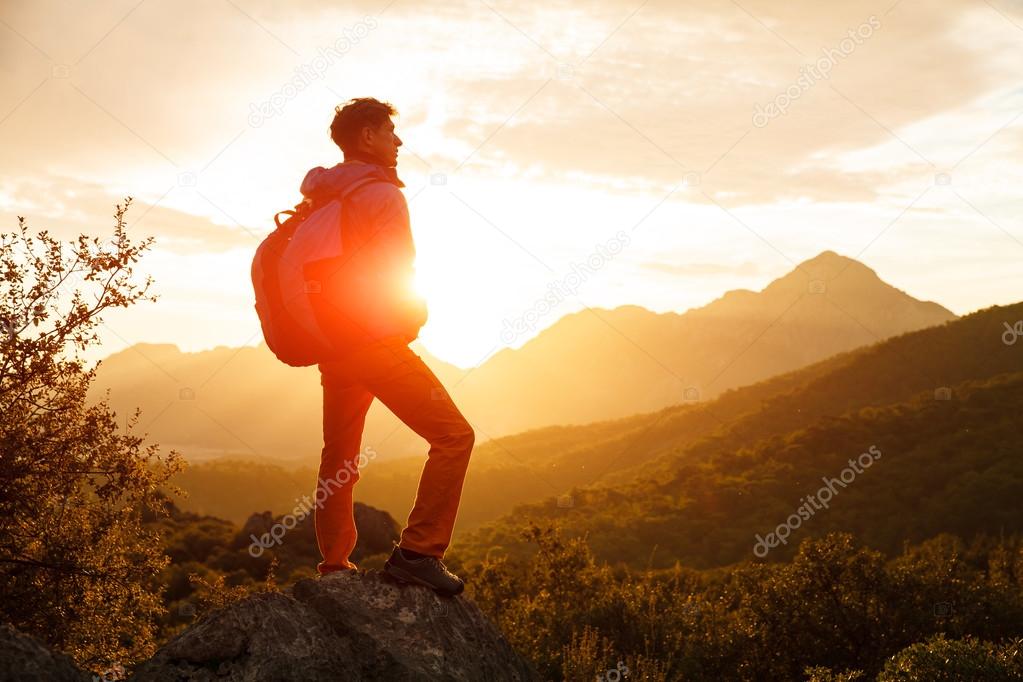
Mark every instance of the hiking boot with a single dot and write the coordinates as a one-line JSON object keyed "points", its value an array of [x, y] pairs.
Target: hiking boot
{"points": [[428, 571]]}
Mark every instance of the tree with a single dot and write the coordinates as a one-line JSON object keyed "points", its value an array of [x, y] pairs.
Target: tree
{"points": [[77, 569]]}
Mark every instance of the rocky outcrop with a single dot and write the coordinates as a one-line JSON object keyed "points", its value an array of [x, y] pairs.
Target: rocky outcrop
{"points": [[24, 659], [378, 533], [343, 626]]}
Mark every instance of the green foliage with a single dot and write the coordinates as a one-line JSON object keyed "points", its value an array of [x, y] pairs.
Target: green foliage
{"points": [[214, 592], [76, 563], [945, 466], [944, 660], [837, 611], [821, 674]]}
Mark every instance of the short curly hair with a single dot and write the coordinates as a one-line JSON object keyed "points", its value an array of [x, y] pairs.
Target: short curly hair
{"points": [[355, 115]]}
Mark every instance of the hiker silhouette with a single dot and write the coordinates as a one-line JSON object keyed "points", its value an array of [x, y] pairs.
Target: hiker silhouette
{"points": [[369, 307]]}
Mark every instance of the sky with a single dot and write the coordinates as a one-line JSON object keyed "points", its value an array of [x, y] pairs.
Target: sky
{"points": [[650, 153]]}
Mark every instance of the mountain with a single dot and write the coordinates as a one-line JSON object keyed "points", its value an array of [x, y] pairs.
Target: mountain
{"points": [[592, 365], [601, 364], [238, 402], [941, 405]]}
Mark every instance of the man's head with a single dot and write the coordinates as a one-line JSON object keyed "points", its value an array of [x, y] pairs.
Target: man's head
{"points": [[363, 127]]}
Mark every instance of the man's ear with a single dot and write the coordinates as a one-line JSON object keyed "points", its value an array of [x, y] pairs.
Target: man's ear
{"points": [[366, 135]]}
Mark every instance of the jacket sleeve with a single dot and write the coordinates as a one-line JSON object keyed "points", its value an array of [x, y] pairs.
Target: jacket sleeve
{"points": [[390, 238]]}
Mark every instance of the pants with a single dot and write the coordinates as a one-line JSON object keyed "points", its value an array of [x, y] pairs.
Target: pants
{"points": [[390, 371]]}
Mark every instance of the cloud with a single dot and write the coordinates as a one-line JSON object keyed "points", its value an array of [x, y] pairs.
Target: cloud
{"points": [[744, 269], [67, 207], [572, 118], [650, 93], [659, 100]]}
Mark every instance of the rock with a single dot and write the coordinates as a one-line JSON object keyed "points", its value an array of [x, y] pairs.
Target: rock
{"points": [[343, 626], [24, 659], [257, 524], [378, 533]]}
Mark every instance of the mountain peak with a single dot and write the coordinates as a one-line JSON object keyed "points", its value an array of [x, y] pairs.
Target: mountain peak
{"points": [[143, 350], [828, 256], [829, 264]]}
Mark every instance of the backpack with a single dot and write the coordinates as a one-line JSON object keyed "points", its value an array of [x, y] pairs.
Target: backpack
{"points": [[287, 275]]}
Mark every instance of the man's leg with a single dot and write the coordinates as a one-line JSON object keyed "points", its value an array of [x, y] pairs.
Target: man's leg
{"points": [[344, 416], [400, 379]]}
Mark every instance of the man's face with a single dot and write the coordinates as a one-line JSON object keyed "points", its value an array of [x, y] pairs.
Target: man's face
{"points": [[383, 143]]}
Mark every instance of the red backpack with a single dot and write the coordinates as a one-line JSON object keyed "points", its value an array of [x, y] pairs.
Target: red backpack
{"points": [[289, 297]]}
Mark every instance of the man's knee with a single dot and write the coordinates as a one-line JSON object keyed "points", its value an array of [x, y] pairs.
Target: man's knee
{"points": [[469, 438], [460, 440]]}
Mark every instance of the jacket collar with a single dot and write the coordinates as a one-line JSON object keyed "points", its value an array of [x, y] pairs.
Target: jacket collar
{"points": [[390, 173]]}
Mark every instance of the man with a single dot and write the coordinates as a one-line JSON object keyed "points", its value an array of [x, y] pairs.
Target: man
{"points": [[377, 315]]}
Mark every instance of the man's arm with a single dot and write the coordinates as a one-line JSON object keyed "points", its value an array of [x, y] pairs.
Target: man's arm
{"points": [[390, 233]]}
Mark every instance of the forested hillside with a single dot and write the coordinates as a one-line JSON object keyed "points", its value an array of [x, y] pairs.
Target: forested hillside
{"points": [[941, 405]]}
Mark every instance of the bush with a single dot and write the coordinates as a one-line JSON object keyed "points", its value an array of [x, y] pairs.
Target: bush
{"points": [[950, 660], [77, 569], [836, 613]]}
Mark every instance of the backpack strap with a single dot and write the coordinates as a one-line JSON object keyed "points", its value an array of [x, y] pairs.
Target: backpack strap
{"points": [[299, 209], [306, 207], [350, 189]]}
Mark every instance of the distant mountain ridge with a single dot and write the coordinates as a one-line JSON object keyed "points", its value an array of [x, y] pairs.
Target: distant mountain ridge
{"points": [[638, 361], [588, 366]]}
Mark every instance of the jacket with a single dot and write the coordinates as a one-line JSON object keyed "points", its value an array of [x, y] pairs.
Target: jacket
{"points": [[373, 289]]}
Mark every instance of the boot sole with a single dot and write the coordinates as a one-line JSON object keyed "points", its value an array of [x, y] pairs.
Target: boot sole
{"points": [[404, 576]]}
